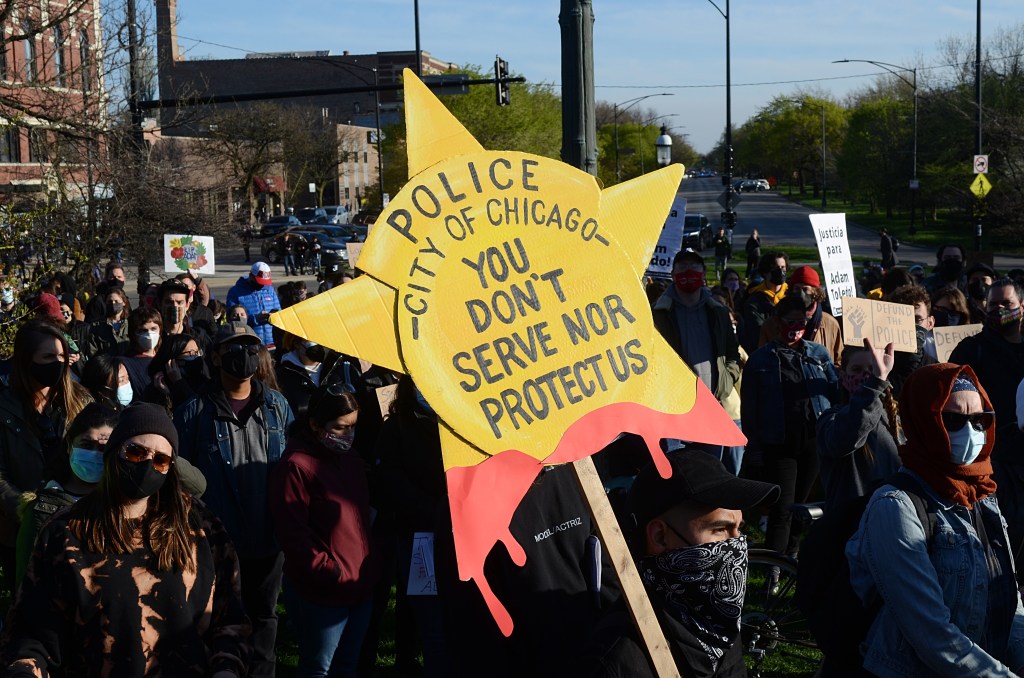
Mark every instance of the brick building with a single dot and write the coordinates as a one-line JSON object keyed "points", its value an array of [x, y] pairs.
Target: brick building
{"points": [[51, 99], [288, 72]]}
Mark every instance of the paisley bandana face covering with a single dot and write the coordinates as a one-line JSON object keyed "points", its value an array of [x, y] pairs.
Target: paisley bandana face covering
{"points": [[703, 588]]}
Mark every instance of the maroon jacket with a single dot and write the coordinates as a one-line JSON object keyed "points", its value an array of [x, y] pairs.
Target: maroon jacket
{"points": [[320, 503]]}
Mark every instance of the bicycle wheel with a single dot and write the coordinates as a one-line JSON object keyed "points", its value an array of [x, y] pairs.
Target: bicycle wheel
{"points": [[776, 638]]}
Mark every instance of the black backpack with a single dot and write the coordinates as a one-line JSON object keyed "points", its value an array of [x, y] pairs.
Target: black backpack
{"points": [[835, 614]]}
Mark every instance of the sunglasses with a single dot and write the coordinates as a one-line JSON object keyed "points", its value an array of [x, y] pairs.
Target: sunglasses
{"points": [[251, 349], [135, 453], [980, 421]]}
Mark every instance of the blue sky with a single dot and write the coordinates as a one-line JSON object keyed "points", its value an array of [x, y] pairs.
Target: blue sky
{"points": [[641, 46]]}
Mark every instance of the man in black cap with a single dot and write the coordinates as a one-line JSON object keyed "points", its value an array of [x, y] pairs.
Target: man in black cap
{"points": [[685, 532], [234, 432]]}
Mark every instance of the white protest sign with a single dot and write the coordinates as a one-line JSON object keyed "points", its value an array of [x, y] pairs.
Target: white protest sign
{"points": [[880, 321], [670, 241], [184, 253], [422, 581], [836, 264], [946, 338]]}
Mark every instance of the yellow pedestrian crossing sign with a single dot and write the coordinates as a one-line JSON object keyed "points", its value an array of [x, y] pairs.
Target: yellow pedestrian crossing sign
{"points": [[980, 186]]}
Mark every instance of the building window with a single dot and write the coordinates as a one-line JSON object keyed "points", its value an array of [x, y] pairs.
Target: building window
{"points": [[58, 55], [29, 52], [3, 62], [37, 151], [85, 57], [10, 148], [357, 108], [346, 194], [366, 157]]}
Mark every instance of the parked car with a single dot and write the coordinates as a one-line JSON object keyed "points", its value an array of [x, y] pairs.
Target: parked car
{"points": [[312, 215], [765, 186], [278, 224], [696, 232], [366, 216], [332, 244], [336, 214], [749, 186], [346, 232]]}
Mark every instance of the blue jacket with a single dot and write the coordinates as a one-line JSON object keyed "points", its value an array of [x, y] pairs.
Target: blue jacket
{"points": [[763, 410], [935, 596], [257, 299], [204, 426]]}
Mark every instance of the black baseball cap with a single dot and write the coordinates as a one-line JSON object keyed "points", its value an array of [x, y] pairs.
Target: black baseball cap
{"points": [[688, 253], [696, 476]]}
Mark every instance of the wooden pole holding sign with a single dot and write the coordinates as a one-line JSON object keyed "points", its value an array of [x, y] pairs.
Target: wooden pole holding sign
{"points": [[618, 553]]}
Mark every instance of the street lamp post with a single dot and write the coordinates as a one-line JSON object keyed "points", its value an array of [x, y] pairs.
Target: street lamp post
{"points": [[663, 146], [892, 70], [729, 217], [616, 110], [640, 135]]}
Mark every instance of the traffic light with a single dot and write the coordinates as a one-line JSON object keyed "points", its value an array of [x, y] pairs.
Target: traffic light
{"points": [[503, 96]]}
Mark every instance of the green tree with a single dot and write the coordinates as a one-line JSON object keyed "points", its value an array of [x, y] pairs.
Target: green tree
{"points": [[531, 124]]}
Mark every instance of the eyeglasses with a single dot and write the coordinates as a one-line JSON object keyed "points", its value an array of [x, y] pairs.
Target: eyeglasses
{"points": [[135, 453], [980, 421], [191, 354]]}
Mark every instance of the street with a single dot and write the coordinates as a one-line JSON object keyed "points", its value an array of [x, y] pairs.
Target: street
{"points": [[782, 222]]}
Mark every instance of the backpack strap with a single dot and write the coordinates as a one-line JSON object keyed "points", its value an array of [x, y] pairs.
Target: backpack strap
{"points": [[923, 505]]}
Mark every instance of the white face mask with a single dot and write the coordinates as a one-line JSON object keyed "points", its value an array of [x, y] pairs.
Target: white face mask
{"points": [[125, 394], [149, 340], [966, 444]]}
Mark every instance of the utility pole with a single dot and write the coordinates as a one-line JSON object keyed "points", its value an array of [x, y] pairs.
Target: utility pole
{"points": [[980, 203], [133, 77], [579, 124]]}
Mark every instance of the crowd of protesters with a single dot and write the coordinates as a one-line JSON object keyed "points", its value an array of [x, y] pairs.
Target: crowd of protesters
{"points": [[173, 467]]}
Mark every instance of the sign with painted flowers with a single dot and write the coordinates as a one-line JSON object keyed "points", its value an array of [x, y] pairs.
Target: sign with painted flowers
{"points": [[188, 253]]}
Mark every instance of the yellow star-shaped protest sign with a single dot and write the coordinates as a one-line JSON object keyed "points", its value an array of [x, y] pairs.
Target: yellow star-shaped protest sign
{"points": [[508, 286]]}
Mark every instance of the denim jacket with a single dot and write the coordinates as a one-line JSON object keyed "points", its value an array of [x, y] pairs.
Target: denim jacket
{"points": [[205, 433], [935, 596], [763, 410]]}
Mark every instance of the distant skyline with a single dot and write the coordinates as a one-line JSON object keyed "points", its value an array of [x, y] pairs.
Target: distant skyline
{"points": [[640, 46]]}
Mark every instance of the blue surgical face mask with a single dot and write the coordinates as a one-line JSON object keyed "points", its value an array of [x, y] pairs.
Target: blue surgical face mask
{"points": [[125, 394], [965, 445], [87, 464], [7, 295]]}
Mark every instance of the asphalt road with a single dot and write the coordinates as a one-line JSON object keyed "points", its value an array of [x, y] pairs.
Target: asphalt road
{"points": [[782, 222]]}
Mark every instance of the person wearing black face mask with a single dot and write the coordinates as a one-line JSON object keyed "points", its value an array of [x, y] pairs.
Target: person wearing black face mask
{"points": [[302, 370], [762, 297], [34, 410], [137, 545], [113, 279], [238, 419], [698, 510], [979, 281], [949, 268]]}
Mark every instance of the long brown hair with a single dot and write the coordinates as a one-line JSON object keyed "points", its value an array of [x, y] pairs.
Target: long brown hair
{"points": [[66, 396], [99, 522]]}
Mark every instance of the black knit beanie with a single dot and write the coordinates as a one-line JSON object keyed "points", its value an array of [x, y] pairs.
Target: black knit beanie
{"points": [[142, 418]]}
